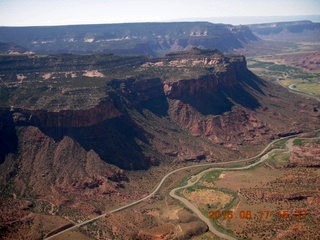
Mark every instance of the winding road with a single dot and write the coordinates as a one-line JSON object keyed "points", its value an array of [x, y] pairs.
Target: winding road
{"points": [[293, 88], [197, 177], [263, 156]]}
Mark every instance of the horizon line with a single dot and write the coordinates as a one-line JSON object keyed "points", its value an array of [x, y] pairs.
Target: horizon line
{"points": [[186, 20]]}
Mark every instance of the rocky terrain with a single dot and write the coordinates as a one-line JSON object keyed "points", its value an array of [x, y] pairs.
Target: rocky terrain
{"points": [[308, 62], [306, 155], [294, 189], [66, 137]]}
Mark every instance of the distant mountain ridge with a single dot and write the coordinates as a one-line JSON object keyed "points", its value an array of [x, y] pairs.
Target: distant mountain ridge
{"points": [[287, 31], [247, 20], [153, 39]]}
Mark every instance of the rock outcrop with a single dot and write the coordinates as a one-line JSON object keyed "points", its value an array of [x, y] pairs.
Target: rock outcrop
{"points": [[66, 118], [198, 105], [46, 167], [305, 155]]}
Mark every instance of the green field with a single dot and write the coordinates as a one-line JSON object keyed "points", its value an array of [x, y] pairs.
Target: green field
{"points": [[280, 67], [256, 191]]}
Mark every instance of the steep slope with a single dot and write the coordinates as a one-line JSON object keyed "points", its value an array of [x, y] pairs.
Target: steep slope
{"points": [[151, 39], [69, 127], [228, 104], [201, 93], [47, 167]]}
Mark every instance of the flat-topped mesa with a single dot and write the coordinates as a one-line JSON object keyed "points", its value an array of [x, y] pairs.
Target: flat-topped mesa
{"points": [[152, 39], [222, 72], [201, 92], [191, 74], [186, 74], [63, 82], [193, 57], [214, 60]]}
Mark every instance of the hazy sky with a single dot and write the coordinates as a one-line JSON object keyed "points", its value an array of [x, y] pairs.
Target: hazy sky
{"points": [[62, 12]]}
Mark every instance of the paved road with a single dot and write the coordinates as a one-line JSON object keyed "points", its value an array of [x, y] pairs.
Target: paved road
{"points": [[197, 211], [192, 181], [293, 88], [195, 179], [173, 192]]}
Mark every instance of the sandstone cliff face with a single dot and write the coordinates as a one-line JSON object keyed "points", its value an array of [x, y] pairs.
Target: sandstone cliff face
{"points": [[66, 118], [113, 136], [187, 88], [219, 80], [221, 101], [206, 106], [193, 106], [232, 129]]}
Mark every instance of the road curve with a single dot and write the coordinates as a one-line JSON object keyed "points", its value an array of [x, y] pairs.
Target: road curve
{"points": [[293, 88], [175, 196], [197, 211], [197, 178]]}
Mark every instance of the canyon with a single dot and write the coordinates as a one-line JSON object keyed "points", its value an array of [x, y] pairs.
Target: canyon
{"points": [[72, 143]]}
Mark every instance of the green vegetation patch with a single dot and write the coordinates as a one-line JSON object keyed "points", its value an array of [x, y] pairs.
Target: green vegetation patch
{"points": [[281, 144], [286, 75], [278, 159], [297, 142], [211, 176]]}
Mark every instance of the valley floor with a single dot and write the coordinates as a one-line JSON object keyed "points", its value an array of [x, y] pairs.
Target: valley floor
{"points": [[254, 184]]}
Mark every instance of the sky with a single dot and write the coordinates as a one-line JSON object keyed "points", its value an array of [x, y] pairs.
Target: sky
{"points": [[67, 12]]}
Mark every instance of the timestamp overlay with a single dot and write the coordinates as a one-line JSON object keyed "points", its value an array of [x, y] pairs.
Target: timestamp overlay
{"points": [[284, 214]]}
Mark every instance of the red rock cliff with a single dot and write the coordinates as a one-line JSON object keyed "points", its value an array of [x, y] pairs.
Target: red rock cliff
{"points": [[68, 118]]}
